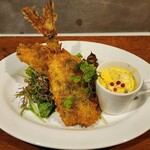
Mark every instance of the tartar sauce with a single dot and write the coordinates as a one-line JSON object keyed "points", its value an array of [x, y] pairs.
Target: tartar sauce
{"points": [[117, 80]]}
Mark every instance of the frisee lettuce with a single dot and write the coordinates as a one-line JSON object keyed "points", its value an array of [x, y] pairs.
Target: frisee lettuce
{"points": [[36, 96]]}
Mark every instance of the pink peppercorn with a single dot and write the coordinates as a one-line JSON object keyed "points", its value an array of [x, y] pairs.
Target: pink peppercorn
{"points": [[111, 83], [122, 85], [115, 89], [118, 82]]}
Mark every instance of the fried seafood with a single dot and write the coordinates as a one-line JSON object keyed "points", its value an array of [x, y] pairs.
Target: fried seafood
{"points": [[45, 24], [75, 101]]}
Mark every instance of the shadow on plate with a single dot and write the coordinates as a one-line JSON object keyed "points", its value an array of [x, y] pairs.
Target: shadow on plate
{"points": [[13, 67]]}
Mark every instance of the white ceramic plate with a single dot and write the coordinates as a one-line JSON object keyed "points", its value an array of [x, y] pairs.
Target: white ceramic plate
{"points": [[54, 134]]}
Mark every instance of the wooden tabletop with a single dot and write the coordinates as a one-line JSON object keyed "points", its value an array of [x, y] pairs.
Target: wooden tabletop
{"points": [[138, 45]]}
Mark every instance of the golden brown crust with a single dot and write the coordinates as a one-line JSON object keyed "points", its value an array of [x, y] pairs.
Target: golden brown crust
{"points": [[59, 65], [44, 25]]}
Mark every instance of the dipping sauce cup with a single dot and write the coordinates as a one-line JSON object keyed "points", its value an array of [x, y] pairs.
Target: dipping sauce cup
{"points": [[117, 103]]}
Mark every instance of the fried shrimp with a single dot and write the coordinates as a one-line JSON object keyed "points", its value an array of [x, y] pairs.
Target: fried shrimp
{"points": [[44, 24], [76, 104]]}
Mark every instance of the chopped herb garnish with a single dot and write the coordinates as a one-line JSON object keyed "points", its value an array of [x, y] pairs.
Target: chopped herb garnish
{"points": [[75, 79], [68, 102], [79, 55]]}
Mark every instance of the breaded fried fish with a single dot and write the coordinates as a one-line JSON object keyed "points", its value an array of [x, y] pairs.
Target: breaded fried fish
{"points": [[73, 103], [76, 104]]}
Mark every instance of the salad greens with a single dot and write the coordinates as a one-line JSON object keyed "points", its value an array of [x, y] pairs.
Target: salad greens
{"points": [[88, 77], [36, 96]]}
